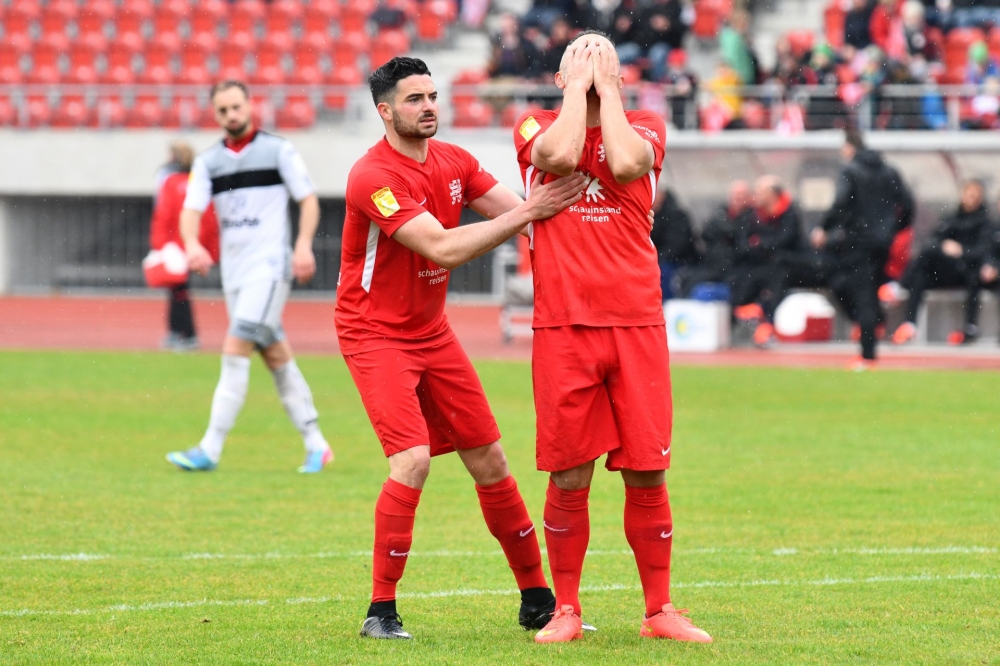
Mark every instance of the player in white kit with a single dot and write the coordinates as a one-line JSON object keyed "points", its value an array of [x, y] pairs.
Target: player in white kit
{"points": [[249, 176]]}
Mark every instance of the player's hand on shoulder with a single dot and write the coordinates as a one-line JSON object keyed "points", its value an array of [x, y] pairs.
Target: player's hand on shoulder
{"points": [[303, 264], [545, 200], [199, 259]]}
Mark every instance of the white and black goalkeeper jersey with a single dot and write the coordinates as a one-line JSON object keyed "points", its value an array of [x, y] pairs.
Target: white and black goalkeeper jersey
{"points": [[250, 190]]}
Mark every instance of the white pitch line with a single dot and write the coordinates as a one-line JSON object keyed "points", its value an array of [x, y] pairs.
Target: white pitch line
{"points": [[170, 605], [778, 552]]}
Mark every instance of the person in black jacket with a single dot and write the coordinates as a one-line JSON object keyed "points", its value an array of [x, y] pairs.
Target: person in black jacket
{"points": [[717, 246], [761, 247], [951, 260], [872, 204], [989, 272], [673, 238]]}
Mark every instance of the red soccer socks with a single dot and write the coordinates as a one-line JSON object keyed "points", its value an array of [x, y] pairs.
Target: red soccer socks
{"points": [[394, 513], [649, 528], [508, 521], [567, 533]]}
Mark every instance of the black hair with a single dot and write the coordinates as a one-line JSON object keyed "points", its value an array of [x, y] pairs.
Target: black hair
{"points": [[226, 85], [853, 138], [383, 80], [584, 33]]}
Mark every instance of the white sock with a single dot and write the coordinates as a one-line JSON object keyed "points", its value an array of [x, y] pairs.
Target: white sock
{"points": [[226, 403], [298, 401]]}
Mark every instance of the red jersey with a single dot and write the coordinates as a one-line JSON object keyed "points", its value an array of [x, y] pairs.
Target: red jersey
{"points": [[593, 263], [389, 296], [165, 226]]}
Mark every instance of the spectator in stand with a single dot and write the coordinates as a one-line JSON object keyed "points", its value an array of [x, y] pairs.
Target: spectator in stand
{"points": [[823, 63], [535, 42], [761, 246], [989, 273], [871, 206], [723, 110], [886, 28], [584, 16], [661, 28], [559, 37], [825, 111], [790, 72], [543, 13], [718, 239], [165, 228], [919, 45], [734, 47], [953, 259], [673, 238], [685, 86], [984, 108], [510, 56], [857, 32], [623, 32], [980, 67]]}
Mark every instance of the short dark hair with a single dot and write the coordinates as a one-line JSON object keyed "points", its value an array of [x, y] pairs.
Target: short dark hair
{"points": [[383, 81], [584, 33], [853, 138], [226, 85]]}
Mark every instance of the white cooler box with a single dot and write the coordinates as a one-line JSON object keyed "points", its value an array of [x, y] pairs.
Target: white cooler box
{"points": [[696, 325]]}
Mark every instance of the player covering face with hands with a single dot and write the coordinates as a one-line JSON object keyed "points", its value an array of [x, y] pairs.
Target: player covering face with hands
{"points": [[401, 238], [600, 365]]}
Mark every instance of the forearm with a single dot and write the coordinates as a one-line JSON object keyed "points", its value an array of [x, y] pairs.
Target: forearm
{"points": [[308, 221], [560, 149], [190, 226], [626, 151], [462, 244]]}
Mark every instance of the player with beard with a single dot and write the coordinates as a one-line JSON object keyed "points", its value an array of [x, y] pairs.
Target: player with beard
{"points": [[249, 177], [600, 365], [401, 238]]}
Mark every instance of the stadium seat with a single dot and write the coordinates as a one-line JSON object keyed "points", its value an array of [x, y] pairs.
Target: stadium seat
{"points": [[8, 114], [249, 11], [296, 113], [107, 112], [306, 75], [44, 65], [156, 74], [169, 42], [433, 19], [349, 47], [278, 41], [290, 11], [468, 77], [182, 113], [55, 19], [355, 14], [194, 75], [144, 113], [71, 112], [269, 74], [993, 42], [200, 45], [319, 16], [11, 57], [315, 42], [472, 114], [957, 43], [341, 76], [707, 19], [56, 39], [233, 63], [513, 111], [208, 16], [387, 45], [37, 112], [631, 74]]}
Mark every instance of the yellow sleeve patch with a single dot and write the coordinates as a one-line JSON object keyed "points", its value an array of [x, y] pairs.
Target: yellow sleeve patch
{"points": [[529, 128], [386, 202]]}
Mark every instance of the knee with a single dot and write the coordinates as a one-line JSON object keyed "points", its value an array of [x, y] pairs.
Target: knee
{"points": [[411, 467], [577, 478], [643, 479], [487, 465]]}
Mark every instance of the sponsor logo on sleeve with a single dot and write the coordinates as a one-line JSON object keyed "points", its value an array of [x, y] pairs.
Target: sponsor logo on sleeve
{"points": [[386, 202], [650, 134], [529, 128]]}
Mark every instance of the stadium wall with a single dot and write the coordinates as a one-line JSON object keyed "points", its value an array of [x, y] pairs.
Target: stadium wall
{"points": [[74, 206]]}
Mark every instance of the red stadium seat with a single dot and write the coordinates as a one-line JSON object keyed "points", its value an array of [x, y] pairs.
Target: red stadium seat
{"points": [[144, 113], [196, 75], [232, 59], [432, 22], [208, 16], [269, 56], [510, 114], [156, 74], [56, 17], [290, 11], [319, 15], [355, 14], [243, 41], [81, 74], [308, 54], [8, 114], [37, 112], [58, 40], [993, 42], [473, 114], [314, 42], [306, 75], [296, 113], [347, 49], [279, 41], [168, 42], [957, 44], [182, 113], [136, 10], [11, 58], [201, 45], [71, 112], [107, 112], [834, 19], [247, 12], [468, 77], [707, 20], [341, 76], [44, 66], [387, 45], [267, 75]]}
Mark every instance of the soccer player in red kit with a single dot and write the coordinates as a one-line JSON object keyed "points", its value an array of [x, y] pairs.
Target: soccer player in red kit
{"points": [[600, 364], [401, 238]]}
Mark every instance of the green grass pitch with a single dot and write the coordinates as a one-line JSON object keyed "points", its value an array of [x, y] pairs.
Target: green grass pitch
{"points": [[821, 517]]}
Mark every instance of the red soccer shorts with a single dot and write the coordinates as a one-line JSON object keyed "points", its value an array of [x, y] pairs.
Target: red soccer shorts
{"points": [[602, 390], [416, 397]]}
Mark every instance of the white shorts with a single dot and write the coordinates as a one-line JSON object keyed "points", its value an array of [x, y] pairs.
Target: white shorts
{"points": [[255, 311]]}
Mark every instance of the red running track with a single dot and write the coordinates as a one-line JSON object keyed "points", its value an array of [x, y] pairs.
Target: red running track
{"points": [[79, 323]]}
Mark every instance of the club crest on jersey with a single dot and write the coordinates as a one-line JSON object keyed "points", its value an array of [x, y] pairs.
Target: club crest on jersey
{"points": [[529, 128], [386, 202], [455, 190]]}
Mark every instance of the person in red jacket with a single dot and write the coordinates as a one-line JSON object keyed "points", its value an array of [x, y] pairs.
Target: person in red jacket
{"points": [[165, 228]]}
